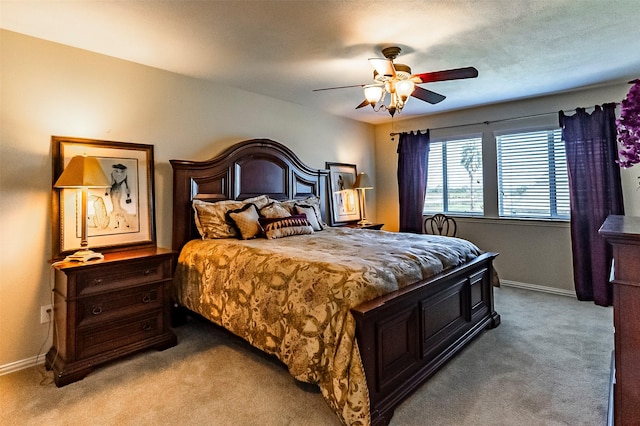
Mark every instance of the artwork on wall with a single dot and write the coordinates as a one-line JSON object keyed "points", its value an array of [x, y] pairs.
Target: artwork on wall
{"points": [[119, 216], [345, 206]]}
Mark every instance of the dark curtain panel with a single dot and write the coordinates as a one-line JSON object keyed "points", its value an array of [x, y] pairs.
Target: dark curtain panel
{"points": [[413, 155], [595, 193]]}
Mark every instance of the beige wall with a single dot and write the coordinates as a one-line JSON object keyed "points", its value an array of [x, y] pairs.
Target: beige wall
{"points": [[531, 252], [49, 89]]}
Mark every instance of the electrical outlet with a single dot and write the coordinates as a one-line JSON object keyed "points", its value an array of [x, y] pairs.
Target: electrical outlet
{"points": [[46, 314]]}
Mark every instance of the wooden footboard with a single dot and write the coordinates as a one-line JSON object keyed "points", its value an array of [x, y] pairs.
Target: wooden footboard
{"points": [[406, 336]]}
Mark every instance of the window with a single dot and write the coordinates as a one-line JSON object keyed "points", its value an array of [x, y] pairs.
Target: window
{"points": [[454, 178], [532, 175]]}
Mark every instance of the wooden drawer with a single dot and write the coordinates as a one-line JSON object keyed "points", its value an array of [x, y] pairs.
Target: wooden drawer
{"points": [[106, 307], [112, 277], [101, 339]]}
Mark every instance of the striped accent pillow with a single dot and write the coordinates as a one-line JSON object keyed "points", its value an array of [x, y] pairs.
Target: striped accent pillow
{"points": [[286, 226]]}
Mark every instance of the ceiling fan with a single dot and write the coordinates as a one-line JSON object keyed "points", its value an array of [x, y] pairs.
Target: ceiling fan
{"points": [[397, 80]]}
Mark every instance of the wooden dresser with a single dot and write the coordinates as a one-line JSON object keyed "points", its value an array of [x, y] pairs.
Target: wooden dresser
{"points": [[623, 233], [109, 308]]}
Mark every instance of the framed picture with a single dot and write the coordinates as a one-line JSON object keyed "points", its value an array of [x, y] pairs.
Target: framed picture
{"points": [[120, 216], [345, 206]]}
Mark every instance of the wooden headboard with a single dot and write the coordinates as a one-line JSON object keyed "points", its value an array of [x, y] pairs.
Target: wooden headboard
{"points": [[246, 169]]}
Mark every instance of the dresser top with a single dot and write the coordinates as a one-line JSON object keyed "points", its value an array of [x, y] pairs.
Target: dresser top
{"points": [[117, 256], [621, 228]]}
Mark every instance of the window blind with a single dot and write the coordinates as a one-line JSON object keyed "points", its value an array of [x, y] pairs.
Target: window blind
{"points": [[532, 175], [454, 176]]}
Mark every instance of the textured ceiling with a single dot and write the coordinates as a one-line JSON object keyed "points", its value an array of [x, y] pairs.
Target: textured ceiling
{"points": [[285, 49]]}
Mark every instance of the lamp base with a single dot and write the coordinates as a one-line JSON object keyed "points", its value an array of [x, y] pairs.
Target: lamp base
{"points": [[83, 255], [364, 222]]}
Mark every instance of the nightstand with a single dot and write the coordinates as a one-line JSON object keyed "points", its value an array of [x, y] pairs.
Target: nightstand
{"points": [[106, 309], [367, 226]]}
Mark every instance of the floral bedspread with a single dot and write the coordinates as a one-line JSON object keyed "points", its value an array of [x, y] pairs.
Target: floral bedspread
{"points": [[291, 297]]}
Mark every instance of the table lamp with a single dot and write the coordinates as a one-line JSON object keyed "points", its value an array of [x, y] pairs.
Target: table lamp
{"points": [[362, 183], [83, 173]]}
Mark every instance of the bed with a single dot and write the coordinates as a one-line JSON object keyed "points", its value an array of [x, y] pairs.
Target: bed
{"points": [[301, 298]]}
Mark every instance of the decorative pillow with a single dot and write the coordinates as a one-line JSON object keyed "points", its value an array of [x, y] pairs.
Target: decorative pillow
{"points": [[274, 210], [245, 220], [309, 201], [313, 215], [260, 201], [286, 226], [315, 202], [211, 219], [289, 205]]}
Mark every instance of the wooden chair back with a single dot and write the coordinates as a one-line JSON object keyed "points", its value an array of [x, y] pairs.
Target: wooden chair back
{"points": [[440, 224]]}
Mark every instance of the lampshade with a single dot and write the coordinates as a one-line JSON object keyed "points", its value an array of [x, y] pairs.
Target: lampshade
{"points": [[362, 181], [373, 93], [83, 172], [404, 89]]}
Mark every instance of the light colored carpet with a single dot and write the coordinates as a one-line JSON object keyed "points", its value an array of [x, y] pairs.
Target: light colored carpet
{"points": [[547, 364]]}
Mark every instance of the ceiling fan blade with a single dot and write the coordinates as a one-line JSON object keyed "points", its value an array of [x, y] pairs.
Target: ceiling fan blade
{"points": [[383, 66], [339, 87], [427, 95], [453, 74], [363, 104]]}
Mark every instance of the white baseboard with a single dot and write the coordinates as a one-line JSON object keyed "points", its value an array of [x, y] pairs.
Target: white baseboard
{"points": [[535, 287], [12, 367]]}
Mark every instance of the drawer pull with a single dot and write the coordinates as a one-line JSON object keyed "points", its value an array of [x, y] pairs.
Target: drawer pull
{"points": [[97, 310], [97, 281], [146, 327], [146, 298], [147, 271]]}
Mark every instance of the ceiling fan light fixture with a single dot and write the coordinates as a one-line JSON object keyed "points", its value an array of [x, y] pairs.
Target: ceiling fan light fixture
{"points": [[404, 88], [400, 84], [391, 110], [373, 93]]}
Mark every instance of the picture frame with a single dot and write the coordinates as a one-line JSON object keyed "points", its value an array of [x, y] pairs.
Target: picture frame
{"points": [[344, 202], [119, 217]]}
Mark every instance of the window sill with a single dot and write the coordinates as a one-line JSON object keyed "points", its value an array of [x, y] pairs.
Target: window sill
{"points": [[551, 223]]}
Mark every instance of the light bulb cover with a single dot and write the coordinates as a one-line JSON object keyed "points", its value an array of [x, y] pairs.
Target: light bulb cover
{"points": [[373, 93], [405, 88]]}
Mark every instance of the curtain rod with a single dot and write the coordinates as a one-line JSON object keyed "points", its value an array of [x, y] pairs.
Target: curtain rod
{"points": [[499, 121]]}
